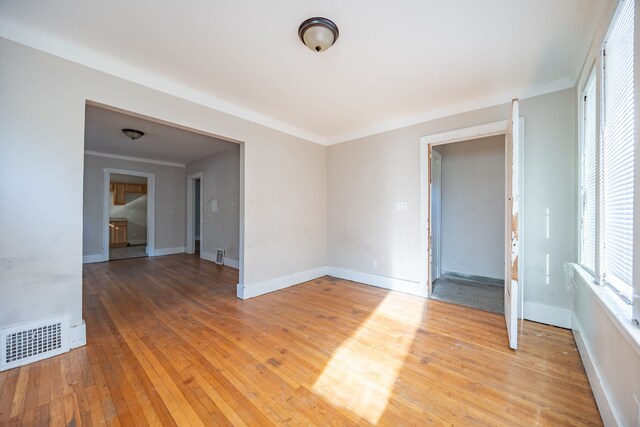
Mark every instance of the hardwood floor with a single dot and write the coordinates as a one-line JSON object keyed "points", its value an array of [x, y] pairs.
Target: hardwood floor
{"points": [[127, 252], [169, 344]]}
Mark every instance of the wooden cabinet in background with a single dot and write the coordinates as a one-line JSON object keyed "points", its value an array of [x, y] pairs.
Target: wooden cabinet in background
{"points": [[118, 233], [136, 188], [118, 193], [120, 189]]}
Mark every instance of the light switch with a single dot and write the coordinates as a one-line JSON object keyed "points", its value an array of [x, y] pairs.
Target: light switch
{"points": [[214, 206], [401, 206]]}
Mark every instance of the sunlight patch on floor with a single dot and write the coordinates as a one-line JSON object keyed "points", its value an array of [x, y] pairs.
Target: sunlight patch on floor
{"points": [[362, 373]]}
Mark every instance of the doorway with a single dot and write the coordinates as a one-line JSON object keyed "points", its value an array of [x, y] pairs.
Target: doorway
{"points": [[513, 131], [128, 214], [195, 217], [468, 223]]}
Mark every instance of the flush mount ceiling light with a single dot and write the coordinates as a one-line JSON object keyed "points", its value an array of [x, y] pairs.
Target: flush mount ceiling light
{"points": [[132, 133], [318, 34]]}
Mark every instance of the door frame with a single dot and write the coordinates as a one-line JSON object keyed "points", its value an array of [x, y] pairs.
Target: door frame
{"points": [[190, 238], [438, 219], [457, 135], [151, 208]]}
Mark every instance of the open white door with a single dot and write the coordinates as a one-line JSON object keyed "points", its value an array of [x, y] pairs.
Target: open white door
{"points": [[436, 212], [511, 231]]}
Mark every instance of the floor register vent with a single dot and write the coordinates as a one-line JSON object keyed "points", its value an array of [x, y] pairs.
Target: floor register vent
{"points": [[29, 343], [220, 256]]}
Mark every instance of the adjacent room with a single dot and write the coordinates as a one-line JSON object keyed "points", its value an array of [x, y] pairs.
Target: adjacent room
{"points": [[169, 190], [468, 214], [329, 213], [127, 216]]}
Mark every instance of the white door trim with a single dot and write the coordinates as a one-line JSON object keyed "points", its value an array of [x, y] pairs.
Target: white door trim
{"points": [[473, 132], [457, 135], [191, 179], [438, 221], [425, 262], [151, 209], [241, 246]]}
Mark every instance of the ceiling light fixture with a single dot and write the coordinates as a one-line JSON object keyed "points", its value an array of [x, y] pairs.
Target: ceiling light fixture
{"points": [[133, 133], [318, 34]]}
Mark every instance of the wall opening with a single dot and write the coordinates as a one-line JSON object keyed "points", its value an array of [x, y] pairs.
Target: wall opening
{"points": [[128, 205], [468, 222]]}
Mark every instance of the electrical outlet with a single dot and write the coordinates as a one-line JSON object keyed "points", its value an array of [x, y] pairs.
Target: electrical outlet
{"points": [[374, 263]]}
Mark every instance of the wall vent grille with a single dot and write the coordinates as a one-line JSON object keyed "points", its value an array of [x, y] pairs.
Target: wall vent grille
{"points": [[29, 343], [220, 256]]}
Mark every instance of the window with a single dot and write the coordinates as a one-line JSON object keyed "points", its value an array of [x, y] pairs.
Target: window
{"points": [[588, 174], [607, 161], [617, 154]]}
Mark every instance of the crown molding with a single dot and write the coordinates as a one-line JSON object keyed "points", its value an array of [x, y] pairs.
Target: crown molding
{"points": [[134, 159], [500, 98], [78, 54], [73, 52]]}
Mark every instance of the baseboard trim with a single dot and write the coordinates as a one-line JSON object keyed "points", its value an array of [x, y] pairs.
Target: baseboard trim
{"points": [[393, 284], [78, 335], [137, 242], [226, 261], [604, 401], [256, 289], [90, 259], [168, 251], [546, 314], [232, 263], [208, 256]]}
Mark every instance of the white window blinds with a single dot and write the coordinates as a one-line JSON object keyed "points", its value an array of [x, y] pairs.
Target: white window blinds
{"points": [[589, 144], [617, 152]]}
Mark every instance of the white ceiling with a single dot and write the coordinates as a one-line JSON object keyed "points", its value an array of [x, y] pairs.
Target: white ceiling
{"points": [[103, 134], [395, 62]]}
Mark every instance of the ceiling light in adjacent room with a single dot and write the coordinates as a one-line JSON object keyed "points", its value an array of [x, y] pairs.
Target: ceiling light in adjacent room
{"points": [[318, 34], [133, 133]]}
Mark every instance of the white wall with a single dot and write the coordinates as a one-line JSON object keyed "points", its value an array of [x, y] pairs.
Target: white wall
{"points": [[550, 180], [170, 202], [221, 182], [367, 176], [610, 349], [473, 207], [42, 133]]}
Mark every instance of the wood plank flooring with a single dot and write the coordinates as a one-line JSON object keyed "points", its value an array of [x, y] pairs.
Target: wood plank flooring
{"points": [[169, 344], [127, 252]]}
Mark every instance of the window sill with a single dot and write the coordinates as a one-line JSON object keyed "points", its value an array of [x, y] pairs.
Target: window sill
{"points": [[618, 311]]}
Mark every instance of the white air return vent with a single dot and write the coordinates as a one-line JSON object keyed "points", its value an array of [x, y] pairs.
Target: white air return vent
{"points": [[220, 256], [36, 341]]}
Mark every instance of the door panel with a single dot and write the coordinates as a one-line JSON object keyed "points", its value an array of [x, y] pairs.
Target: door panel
{"points": [[511, 230], [436, 209]]}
